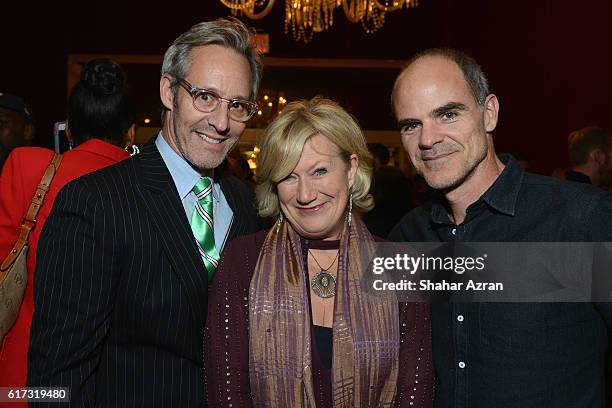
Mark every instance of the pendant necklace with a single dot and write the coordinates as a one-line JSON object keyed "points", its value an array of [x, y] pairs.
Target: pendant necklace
{"points": [[323, 283]]}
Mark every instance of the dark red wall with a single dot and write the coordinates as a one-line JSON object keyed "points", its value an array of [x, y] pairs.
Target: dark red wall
{"points": [[548, 61]]}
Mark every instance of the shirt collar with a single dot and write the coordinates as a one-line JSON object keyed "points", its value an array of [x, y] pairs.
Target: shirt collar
{"points": [[183, 175], [501, 196]]}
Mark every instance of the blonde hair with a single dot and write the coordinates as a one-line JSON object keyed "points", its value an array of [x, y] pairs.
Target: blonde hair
{"points": [[283, 141]]}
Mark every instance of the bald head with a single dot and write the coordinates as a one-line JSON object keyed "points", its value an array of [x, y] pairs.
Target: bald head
{"points": [[431, 81], [444, 129], [471, 72]]}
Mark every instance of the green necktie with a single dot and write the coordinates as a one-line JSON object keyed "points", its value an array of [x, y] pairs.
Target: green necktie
{"points": [[202, 225]]}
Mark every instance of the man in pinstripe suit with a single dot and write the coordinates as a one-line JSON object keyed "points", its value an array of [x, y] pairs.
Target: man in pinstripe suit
{"points": [[121, 287]]}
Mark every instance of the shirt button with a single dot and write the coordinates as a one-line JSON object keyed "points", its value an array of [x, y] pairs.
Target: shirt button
{"points": [[454, 231], [461, 364], [460, 318]]}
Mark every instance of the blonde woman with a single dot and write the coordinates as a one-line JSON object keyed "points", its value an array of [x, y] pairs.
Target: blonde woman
{"points": [[287, 325]]}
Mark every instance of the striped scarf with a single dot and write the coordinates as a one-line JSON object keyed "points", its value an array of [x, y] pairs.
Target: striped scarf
{"points": [[365, 327]]}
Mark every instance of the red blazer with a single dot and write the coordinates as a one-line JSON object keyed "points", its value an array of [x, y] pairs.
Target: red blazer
{"points": [[21, 174]]}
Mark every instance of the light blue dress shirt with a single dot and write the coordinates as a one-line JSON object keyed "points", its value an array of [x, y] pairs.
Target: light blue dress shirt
{"points": [[185, 177]]}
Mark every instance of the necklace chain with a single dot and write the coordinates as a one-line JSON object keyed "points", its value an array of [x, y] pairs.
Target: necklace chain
{"points": [[319, 265]]}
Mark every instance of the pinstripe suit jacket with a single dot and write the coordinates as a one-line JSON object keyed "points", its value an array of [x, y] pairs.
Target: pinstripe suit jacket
{"points": [[121, 291]]}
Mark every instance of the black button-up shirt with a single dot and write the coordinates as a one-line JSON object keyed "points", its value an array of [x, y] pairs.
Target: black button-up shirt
{"points": [[494, 355]]}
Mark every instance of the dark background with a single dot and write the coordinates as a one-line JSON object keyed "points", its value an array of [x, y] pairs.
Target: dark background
{"points": [[548, 61]]}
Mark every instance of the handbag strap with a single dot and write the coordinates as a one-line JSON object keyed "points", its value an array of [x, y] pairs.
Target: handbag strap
{"points": [[29, 221]]}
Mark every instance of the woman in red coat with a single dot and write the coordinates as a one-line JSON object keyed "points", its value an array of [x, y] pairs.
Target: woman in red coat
{"points": [[101, 121]]}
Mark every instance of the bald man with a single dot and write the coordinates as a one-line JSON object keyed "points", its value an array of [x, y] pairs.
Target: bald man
{"points": [[497, 354]]}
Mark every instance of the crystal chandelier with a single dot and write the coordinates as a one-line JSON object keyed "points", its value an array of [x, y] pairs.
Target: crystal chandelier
{"points": [[306, 17]]}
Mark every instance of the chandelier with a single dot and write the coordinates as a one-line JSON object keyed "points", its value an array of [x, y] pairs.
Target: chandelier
{"points": [[306, 17]]}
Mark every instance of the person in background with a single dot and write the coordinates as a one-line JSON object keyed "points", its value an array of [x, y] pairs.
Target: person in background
{"points": [[590, 151], [497, 354], [380, 155], [288, 323], [16, 125], [101, 120], [127, 254], [392, 191], [238, 166]]}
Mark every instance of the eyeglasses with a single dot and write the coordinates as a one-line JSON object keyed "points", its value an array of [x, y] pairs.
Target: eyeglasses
{"points": [[208, 101]]}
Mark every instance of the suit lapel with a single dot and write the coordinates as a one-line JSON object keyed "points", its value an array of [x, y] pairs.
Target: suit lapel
{"points": [[166, 213]]}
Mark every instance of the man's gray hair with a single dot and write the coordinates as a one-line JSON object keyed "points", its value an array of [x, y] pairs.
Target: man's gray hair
{"points": [[227, 32]]}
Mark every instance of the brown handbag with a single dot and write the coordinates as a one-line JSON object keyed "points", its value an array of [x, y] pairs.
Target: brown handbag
{"points": [[13, 270]]}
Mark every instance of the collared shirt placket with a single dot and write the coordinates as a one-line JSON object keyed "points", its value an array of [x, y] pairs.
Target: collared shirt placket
{"points": [[460, 334]]}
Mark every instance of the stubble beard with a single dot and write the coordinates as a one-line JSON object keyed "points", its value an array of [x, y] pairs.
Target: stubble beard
{"points": [[455, 180], [182, 133]]}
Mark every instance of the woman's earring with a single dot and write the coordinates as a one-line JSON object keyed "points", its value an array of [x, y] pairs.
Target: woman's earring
{"points": [[132, 149], [279, 221], [349, 215]]}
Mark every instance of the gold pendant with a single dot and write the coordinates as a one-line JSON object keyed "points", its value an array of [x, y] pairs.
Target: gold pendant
{"points": [[323, 284]]}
